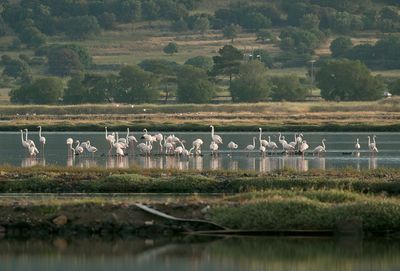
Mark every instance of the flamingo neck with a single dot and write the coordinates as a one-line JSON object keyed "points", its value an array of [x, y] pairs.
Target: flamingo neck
{"points": [[369, 141], [40, 131], [323, 144], [22, 136], [106, 132], [212, 131], [254, 141], [26, 135]]}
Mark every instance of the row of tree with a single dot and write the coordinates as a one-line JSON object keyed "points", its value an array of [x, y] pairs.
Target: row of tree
{"points": [[340, 80]]}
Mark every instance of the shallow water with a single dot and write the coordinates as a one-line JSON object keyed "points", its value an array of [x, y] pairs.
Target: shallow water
{"points": [[340, 148], [226, 254]]}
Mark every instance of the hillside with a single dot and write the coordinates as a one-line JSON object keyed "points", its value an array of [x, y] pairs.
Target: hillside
{"points": [[287, 35]]}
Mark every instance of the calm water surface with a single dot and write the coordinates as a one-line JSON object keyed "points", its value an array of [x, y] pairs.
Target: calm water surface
{"points": [[339, 148], [220, 255]]}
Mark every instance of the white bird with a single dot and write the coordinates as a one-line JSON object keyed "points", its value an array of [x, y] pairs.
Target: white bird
{"points": [[299, 138], [281, 139], [131, 138], [25, 143], [168, 147], [159, 138], [303, 147], [33, 151], [271, 144], [214, 147], [372, 145], [78, 148], [30, 142], [232, 146], [69, 142], [197, 146], [262, 149], [147, 137], [287, 147], [294, 143], [321, 148], [263, 142], [90, 148], [357, 146], [250, 148], [216, 138], [110, 139], [42, 139]]}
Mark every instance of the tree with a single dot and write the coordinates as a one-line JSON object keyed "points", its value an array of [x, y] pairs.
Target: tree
{"points": [[179, 26], [171, 48], [348, 80], [16, 68], [194, 86], [228, 61], [265, 36], [107, 20], [251, 84], [298, 40], [42, 91], [231, 31], [76, 92], [64, 61], [255, 20], [287, 88], [310, 22], [394, 87], [136, 86], [202, 62], [81, 27], [340, 46], [32, 37], [201, 24]]}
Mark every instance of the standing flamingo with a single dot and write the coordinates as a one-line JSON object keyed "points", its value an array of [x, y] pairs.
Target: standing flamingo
{"points": [[110, 139], [271, 144], [303, 147], [372, 145], [42, 139], [357, 146], [321, 148], [216, 138], [232, 146], [25, 143], [250, 148], [69, 142], [214, 148], [263, 142]]}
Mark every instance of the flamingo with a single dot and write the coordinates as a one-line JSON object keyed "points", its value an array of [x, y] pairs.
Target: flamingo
{"points": [[25, 143], [147, 137], [250, 148], [30, 142], [294, 143], [262, 141], [287, 147], [110, 139], [69, 142], [357, 146], [42, 139], [214, 148], [90, 148], [262, 149], [321, 148], [159, 138], [33, 151], [232, 146], [169, 147], [372, 145], [303, 147], [271, 144], [216, 138], [197, 146], [78, 149]]}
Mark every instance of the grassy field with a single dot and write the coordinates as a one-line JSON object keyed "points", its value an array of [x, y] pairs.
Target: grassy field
{"points": [[382, 115], [339, 201]]}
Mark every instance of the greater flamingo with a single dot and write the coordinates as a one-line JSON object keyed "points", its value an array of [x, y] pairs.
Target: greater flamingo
{"points": [[214, 148], [372, 145], [232, 146], [250, 148], [303, 147], [216, 138], [321, 148], [42, 139], [357, 146], [263, 142]]}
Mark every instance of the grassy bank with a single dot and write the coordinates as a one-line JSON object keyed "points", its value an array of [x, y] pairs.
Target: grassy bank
{"points": [[319, 116], [64, 180], [338, 201]]}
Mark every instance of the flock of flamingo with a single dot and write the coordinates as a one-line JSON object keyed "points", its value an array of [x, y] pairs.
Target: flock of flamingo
{"points": [[172, 145]]}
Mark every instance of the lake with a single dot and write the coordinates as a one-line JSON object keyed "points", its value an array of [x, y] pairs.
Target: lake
{"points": [[340, 148], [198, 254]]}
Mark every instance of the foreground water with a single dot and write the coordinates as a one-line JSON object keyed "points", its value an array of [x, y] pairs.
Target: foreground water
{"points": [[211, 254], [340, 152]]}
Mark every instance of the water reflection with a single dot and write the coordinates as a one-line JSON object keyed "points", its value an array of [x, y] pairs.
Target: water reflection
{"points": [[231, 254], [337, 156]]}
